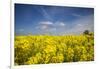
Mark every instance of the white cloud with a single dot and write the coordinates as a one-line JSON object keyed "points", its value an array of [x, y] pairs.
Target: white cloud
{"points": [[74, 27], [44, 27], [79, 25], [62, 24], [48, 26], [46, 23], [45, 14], [59, 24], [49, 23], [76, 15], [82, 24]]}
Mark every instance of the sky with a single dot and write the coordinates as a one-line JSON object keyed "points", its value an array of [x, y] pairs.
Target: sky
{"points": [[54, 20]]}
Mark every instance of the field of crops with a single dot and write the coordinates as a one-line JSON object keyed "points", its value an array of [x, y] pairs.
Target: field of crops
{"points": [[45, 49]]}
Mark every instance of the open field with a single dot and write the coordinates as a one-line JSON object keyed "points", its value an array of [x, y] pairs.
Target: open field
{"points": [[45, 49]]}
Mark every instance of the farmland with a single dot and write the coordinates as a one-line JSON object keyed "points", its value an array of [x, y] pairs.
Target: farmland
{"points": [[45, 49]]}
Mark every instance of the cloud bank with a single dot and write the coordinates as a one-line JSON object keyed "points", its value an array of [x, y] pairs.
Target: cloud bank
{"points": [[62, 28]]}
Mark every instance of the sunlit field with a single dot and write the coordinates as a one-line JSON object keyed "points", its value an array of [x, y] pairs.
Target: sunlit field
{"points": [[46, 49], [46, 34]]}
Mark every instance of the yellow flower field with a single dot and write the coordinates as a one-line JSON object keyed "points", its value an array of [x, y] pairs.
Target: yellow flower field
{"points": [[45, 49]]}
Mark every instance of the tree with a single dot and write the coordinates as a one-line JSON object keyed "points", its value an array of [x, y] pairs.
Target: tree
{"points": [[86, 32]]}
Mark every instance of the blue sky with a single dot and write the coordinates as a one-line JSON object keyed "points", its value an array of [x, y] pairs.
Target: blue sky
{"points": [[55, 20]]}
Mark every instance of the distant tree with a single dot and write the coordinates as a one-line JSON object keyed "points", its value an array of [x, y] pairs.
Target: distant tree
{"points": [[86, 32], [89, 35]]}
